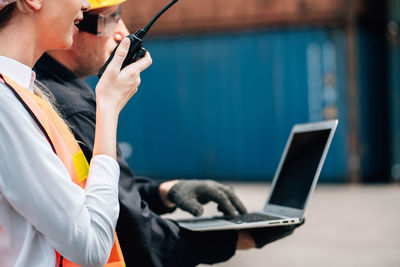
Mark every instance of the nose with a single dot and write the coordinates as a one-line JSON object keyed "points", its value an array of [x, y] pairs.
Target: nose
{"points": [[85, 6], [120, 31]]}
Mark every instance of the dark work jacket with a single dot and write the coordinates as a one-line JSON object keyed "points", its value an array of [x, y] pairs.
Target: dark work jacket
{"points": [[146, 239]]}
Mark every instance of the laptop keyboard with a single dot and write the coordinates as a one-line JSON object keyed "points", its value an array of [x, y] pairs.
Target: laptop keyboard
{"points": [[250, 217]]}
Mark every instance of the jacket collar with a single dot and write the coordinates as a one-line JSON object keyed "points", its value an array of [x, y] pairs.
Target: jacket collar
{"points": [[46, 64]]}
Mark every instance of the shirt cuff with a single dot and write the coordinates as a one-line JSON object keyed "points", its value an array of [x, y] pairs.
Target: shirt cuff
{"points": [[106, 169]]}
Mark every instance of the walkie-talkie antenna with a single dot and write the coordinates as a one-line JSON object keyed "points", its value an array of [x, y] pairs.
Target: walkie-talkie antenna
{"points": [[136, 50], [142, 32]]}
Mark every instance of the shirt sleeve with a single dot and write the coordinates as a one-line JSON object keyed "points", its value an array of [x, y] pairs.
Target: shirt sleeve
{"points": [[78, 223], [150, 192]]}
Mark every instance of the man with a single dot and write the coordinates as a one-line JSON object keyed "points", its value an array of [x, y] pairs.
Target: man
{"points": [[146, 239]]}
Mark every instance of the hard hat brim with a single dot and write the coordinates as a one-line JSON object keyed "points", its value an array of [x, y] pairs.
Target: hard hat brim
{"points": [[105, 3]]}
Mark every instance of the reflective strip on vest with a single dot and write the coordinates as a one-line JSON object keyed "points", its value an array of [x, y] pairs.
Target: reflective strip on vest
{"points": [[66, 148]]}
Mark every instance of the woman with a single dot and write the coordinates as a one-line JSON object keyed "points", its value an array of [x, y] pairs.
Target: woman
{"points": [[45, 207]]}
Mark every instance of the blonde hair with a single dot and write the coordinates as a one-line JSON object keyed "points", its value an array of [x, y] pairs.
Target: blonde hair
{"points": [[44, 93]]}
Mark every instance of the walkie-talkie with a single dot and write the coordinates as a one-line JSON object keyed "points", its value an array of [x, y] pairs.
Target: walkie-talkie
{"points": [[136, 49]]}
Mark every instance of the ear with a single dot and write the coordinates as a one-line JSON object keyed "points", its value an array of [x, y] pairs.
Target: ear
{"points": [[35, 5]]}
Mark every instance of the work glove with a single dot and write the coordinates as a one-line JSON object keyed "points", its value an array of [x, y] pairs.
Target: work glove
{"points": [[263, 236], [190, 195]]}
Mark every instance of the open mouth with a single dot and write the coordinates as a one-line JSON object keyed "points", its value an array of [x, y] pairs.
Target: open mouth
{"points": [[76, 22]]}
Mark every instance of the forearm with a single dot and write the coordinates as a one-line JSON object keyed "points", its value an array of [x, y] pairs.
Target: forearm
{"points": [[106, 130]]}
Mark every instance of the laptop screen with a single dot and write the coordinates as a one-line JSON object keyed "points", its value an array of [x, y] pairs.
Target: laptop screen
{"points": [[299, 168]]}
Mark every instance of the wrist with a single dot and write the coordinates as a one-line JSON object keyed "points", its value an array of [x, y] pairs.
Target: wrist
{"points": [[245, 240], [105, 107], [163, 190], [106, 130]]}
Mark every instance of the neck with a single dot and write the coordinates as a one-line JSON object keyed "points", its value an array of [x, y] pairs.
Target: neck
{"points": [[19, 41]]}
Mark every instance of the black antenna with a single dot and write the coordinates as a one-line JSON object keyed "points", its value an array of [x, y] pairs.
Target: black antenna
{"points": [[136, 50], [142, 32]]}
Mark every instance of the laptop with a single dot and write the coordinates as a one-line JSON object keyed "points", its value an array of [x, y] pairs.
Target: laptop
{"points": [[292, 186]]}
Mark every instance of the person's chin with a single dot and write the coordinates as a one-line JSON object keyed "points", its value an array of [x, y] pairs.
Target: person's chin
{"points": [[69, 38], [67, 43], [63, 44]]}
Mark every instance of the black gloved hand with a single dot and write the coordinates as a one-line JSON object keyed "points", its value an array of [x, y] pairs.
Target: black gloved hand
{"points": [[189, 195], [263, 236]]}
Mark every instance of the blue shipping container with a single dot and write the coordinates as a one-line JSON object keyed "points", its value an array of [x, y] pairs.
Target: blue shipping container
{"points": [[221, 105]]}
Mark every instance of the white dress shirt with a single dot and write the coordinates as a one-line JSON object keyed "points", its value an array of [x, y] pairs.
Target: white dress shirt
{"points": [[41, 209]]}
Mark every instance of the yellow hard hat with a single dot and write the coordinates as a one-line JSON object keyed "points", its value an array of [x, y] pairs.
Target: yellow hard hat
{"points": [[94, 4]]}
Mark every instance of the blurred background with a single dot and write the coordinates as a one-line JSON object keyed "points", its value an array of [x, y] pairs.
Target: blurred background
{"points": [[230, 78]]}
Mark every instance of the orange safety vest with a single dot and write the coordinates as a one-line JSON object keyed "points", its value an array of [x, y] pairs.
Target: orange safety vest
{"points": [[67, 149]]}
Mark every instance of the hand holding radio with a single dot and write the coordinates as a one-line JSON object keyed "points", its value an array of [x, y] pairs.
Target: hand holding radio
{"points": [[136, 49], [118, 85]]}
